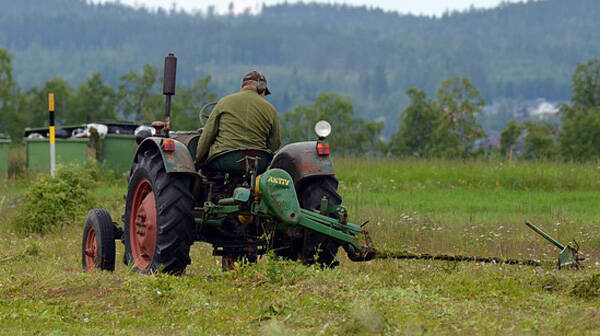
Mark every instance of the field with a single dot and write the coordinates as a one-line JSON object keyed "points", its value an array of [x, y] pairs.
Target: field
{"points": [[472, 208]]}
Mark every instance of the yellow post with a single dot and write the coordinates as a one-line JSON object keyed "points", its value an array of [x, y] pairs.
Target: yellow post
{"points": [[52, 134]]}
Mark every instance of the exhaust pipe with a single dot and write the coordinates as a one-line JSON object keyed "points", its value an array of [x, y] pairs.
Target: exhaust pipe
{"points": [[169, 79]]}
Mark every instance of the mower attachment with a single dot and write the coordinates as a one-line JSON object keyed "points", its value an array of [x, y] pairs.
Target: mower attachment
{"points": [[569, 256], [277, 195]]}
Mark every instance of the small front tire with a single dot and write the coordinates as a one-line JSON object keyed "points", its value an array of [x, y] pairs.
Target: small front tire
{"points": [[98, 243]]}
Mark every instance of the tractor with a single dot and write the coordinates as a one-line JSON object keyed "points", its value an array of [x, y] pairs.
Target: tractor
{"points": [[243, 202]]}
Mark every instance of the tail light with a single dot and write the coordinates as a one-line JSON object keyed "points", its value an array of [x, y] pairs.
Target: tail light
{"points": [[168, 145], [322, 148]]}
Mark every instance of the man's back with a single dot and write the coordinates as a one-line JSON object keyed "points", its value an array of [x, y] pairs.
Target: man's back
{"points": [[238, 121]]}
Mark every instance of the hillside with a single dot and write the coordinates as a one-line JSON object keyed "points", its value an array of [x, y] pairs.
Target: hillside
{"points": [[517, 51]]}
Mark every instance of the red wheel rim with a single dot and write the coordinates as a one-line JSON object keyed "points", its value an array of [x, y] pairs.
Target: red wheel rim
{"points": [[91, 250], [142, 225]]}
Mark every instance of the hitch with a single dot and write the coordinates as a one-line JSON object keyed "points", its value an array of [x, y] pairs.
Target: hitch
{"points": [[366, 253], [569, 256]]}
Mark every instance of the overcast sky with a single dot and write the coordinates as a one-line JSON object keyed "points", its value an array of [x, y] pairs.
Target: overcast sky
{"points": [[427, 7]]}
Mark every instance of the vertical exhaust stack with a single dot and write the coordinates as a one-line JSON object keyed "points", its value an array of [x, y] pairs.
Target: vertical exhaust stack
{"points": [[169, 79]]}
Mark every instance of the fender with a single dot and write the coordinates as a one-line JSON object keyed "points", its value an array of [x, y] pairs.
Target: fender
{"points": [[179, 161], [301, 161]]}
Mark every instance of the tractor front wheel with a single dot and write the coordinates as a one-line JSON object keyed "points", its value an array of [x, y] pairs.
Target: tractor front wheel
{"points": [[98, 243], [159, 227]]}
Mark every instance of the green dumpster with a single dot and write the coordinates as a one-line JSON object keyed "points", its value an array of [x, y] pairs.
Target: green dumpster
{"points": [[68, 151], [115, 152], [118, 151], [4, 154]]}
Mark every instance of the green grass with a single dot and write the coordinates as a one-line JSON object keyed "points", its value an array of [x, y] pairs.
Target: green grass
{"points": [[424, 206]]}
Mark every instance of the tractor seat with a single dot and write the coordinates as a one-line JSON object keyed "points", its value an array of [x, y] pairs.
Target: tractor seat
{"points": [[233, 162]]}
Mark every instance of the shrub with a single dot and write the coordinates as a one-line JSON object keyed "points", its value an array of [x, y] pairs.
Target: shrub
{"points": [[587, 288], [51, 203]]}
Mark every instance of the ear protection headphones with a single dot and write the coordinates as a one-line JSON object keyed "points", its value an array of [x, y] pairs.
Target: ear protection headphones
{"points": [[262, 85]]}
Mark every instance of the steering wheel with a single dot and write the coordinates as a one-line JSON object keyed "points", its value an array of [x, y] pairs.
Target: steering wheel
{"points": [[205, 112]]}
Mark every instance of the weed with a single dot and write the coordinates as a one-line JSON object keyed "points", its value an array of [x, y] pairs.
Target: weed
{"points": [[553, 283], [51, 203], [587, 288], [33, 249]]}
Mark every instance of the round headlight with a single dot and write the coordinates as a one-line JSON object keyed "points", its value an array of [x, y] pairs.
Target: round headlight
{"points": [[323, 129]]}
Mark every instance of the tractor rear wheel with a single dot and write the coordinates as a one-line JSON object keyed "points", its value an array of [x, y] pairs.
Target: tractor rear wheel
{"points": [[312, 244], [158, 222], [98, 243]]}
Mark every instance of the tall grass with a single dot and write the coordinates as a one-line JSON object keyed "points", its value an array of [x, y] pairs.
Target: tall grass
{"points": [[17, 161], [468, 207], [473, 207], [406, 174]]}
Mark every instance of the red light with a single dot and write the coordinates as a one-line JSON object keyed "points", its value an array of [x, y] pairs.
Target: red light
{"points": [[323, 148], [168, 145]]}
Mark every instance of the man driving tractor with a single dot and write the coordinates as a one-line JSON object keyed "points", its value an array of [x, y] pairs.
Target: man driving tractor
{"points": [[244, 203], [243, 120]]}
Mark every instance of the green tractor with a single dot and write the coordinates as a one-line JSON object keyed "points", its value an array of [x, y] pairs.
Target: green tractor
{"points": [[243, 202]]}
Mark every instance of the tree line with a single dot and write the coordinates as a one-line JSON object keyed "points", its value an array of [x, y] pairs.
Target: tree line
{"points": [[577, 138], [443, 126], [446, 126]]}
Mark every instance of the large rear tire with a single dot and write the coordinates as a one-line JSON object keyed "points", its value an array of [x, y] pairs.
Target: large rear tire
{"points": [[313, 247], [315, 244], [158, 222]]}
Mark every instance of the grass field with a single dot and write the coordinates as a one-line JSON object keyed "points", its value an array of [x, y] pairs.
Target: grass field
{"points": [[473, 208]]}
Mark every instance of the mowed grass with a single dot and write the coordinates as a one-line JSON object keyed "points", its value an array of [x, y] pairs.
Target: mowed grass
{"points": [[451, 207]]}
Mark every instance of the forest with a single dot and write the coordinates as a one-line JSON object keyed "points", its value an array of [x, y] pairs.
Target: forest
{"points": [[370, 57], [444, 125]]}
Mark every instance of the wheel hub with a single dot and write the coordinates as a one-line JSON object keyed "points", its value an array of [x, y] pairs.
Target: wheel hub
{"points": [[142, 229], [91, 250]]}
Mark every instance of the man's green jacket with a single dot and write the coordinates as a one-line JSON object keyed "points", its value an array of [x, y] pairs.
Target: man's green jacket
{"points": [[239, 121]]}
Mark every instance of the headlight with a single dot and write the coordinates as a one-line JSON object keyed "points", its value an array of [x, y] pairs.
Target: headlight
{"points": [[323, 129]]}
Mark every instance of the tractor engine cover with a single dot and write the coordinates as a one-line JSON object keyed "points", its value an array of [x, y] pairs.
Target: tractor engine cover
{"points": [[276, 190]]}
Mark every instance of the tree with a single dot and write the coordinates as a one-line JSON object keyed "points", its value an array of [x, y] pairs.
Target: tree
{"points": [[580, 135], [7, 83], [586, 84], [457, 130], [35, 102], [94, 101], [11, 121], [530, 140], [509, 137], [186, 105], [540, 140], [443, 128], [417, 123], [350, 135], [138, 94]]}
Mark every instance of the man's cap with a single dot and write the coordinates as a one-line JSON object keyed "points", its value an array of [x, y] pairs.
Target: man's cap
{"points": [[256, 76]]}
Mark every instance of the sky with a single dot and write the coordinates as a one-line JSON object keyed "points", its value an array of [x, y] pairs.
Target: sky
{"points": [[424, 7]]}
